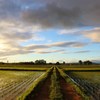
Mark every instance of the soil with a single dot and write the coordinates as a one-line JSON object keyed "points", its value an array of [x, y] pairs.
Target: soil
{"points": [[43, 93], [68, 91]]}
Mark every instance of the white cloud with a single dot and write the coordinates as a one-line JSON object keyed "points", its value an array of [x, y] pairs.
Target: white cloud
{"points": [[69, 31], [94, 35], [20, 22], [68, 44], [12, 33], [13, 48], [46, 51]]}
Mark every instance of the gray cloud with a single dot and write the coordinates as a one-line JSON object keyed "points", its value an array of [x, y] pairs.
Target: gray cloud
{"points": [[56, 44], [32, 47], [64, 13], [17, 36], [52, 16], [52, 13], [3, 58], [93, 35], [15, 49], [15, 52], [9, 9], [67, 44], [21, 19], [50, 51], [83, 51]]}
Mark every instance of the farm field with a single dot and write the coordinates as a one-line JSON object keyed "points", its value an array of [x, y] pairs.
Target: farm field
{"points": [[94, 77], [80, 67], [24, 67], [90, 81], [12, 83], [56, 86], [49, 49], [49, 83]]}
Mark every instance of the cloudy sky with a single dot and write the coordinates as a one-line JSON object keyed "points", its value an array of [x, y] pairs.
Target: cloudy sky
{"points": [[54, 30]]}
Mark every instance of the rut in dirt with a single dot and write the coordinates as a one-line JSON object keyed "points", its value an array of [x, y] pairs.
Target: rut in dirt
{"points": [[43, 91], [68, 91]]}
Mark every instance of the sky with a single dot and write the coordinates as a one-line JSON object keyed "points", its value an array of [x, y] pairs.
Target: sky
{"points": [[54, 30]]}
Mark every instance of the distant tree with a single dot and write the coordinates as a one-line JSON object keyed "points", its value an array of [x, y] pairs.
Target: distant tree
{"points": [[40, 62], [57, 63], [64, 62], [50, 63], [1, 62], [87, 62], [27, 63], [80, 62]]}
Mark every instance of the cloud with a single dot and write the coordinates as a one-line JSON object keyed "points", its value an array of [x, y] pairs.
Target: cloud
{"points": [[9, 9], [68, 44], [64, 13], [52, 16], [70, 31], [15, 52], [22, 20], [96, 60], [52, 13], [49, 51], [16, 36], [14, 33], [83, 51], [3, 58], [94, 35], [15, 49], [56, 44], [35, 47]]}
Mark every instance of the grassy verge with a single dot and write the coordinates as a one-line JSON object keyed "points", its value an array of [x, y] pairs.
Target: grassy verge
{"points": [[24, 67], [55, 90], [34, 86], [78, 89]]}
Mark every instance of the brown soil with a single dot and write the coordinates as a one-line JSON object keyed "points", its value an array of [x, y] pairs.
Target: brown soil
{"points": [[43, 93], [68, 91]]}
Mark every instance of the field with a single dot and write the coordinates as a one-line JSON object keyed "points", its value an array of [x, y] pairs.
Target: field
{"points": [[24, 67], [93, 77], [90, 81], [49, 82], [14, 82]]}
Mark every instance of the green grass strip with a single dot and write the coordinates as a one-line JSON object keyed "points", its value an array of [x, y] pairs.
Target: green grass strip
{"points": [[55, 89], [34, 85], [78, 89]]}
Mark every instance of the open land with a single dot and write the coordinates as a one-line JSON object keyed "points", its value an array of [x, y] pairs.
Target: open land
{"points": [[49, 82]]}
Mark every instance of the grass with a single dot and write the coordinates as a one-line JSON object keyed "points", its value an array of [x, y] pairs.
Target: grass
{"points": [[93, 77], [55, 93], [80, 67], [24, 67], [77, 88], [90, 81], [46, 67], [8, 78], [34, 86], [86, 72]]}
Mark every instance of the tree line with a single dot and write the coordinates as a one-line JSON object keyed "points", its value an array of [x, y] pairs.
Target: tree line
{"points": [[87, 62], [43, 62]]}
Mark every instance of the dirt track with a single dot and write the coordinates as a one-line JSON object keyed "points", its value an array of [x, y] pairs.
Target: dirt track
{"points": [[43, 93], [67, 90]]}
